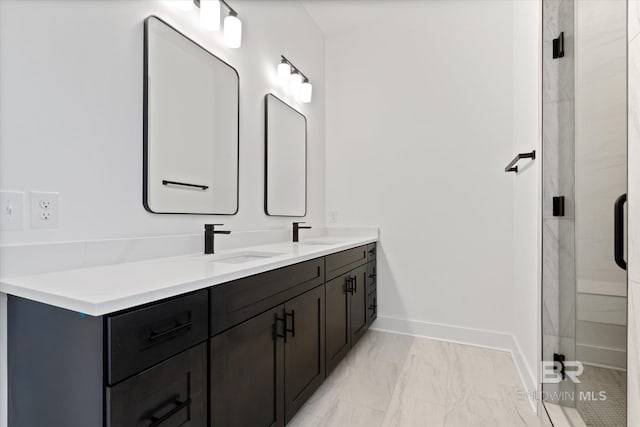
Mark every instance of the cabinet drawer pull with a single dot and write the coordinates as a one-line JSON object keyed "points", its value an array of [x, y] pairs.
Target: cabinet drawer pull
{"points": [[154, 336], [156, 421], [372, 251], [293, 323]]}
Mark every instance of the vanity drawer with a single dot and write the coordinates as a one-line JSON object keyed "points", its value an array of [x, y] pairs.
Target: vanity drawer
{"points": [[138, 339], [173, 393], [371, 252], [237, 301], [371, 275], [345, 261]]}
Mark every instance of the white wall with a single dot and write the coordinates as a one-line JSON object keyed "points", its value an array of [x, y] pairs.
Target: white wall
{"points": [[420, 109], [527, 203], [71, 110], [71, 75]]}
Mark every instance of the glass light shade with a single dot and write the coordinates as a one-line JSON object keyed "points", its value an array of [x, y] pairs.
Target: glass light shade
{"points": [[294, 83], [210, 14], [185, 5], [305, 92], [232, 31], [284, 73]]}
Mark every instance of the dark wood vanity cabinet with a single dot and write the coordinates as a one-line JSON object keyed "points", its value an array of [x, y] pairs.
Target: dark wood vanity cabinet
{"points": [[347, 303], [271, 363], [337, 321], [146, 366], [247, 367], [304, 348], [372, 275], [141, 338], [172, 393], [245, 353]]}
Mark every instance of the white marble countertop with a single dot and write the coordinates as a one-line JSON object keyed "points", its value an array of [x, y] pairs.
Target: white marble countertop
{"points": [[105, 289]]}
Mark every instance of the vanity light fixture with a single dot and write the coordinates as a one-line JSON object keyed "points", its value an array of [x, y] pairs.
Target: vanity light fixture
{"points": [[284, 72], [210, 14], [305, 91], [210, 19], [294, 83], [298, 83], [232, 30]]}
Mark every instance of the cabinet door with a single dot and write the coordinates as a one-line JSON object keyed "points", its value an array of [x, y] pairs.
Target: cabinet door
{"points": [[172, 393], [358, 302], [247, 373], [304, 349], [338, 339]]}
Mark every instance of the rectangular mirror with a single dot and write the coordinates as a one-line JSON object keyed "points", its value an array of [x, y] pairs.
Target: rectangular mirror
{"points": [[191, 109], [286, 159]]}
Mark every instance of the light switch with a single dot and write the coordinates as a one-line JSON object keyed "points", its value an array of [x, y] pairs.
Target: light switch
{"points": [[11, 210]]}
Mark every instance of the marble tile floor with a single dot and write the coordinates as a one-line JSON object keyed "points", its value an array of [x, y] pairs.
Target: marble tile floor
{"points": [[397, 380]]}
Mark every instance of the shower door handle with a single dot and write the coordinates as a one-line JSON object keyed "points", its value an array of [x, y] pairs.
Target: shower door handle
{"points": [[618, 231]]}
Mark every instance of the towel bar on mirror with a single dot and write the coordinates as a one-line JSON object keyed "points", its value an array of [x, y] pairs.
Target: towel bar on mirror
{"points": [[184, 184], [511, 167]]}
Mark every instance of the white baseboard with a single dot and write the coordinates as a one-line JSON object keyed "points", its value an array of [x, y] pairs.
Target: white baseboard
{"points": [[469, 336]]}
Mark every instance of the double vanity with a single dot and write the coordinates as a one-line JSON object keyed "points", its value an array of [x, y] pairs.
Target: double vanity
{"points": [[238, 338]]}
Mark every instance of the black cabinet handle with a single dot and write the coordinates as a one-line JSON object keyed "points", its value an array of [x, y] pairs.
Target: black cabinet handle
{"points": [[277, 334], [293, 323], [349, 285], [372, 251], [154, 336], [355, 285], [618, 231], [156, 421]]}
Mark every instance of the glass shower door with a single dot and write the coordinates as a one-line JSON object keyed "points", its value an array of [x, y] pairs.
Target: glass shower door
{"points": [[584, 174]]}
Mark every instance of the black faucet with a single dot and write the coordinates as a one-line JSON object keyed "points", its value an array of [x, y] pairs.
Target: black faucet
{"points": [[296, 229], [209, 233]]}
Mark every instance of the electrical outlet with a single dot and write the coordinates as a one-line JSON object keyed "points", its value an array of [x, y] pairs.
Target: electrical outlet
{"points": [[11, 210], [44, 210], [333, 217]]}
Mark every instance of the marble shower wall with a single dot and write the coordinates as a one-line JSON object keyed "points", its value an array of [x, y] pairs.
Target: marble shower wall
{"points": [[633, 332], [600, 178], [558, 236]]}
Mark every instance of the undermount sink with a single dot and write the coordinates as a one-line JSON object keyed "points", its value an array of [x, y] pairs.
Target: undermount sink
{"points": [[320, 242], [242, 257]]}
